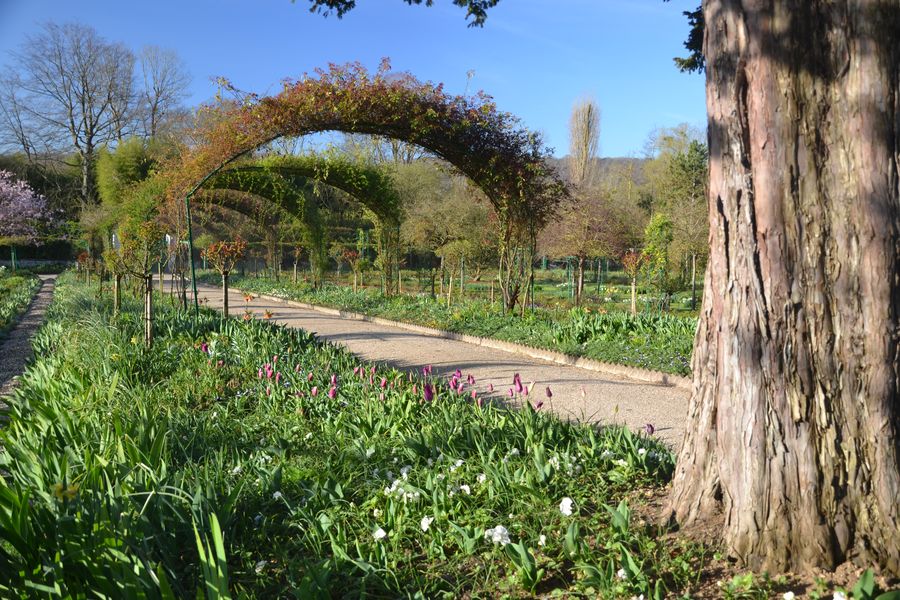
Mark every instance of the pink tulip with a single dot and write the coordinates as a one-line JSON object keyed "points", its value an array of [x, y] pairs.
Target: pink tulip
{"points": [[491, 387], [415, 389], [268, 391], [383, 382], [259, 374], [356, 370], [309, 377], [372, 370], [428, 392], [458, 374], [332, 392], [204, 347], [539, 405], [510, 392], [277, 377], [381, 397], [473, 394], [314, 391], [333, 379], [549, 393], [479, 402]]}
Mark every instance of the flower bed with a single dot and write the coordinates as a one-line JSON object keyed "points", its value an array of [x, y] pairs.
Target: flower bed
{"points": [[248, 457], [16, 292], [650, 341]]}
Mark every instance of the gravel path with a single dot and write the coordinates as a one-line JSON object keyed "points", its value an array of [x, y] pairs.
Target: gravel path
{"points": [[577, 393], [15, 349]]}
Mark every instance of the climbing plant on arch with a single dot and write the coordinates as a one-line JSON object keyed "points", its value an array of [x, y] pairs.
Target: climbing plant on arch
{"points": [[286, 180], [490, 147]]}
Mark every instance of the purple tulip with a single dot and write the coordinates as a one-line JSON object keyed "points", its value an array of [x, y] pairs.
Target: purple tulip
{"points": [[539, 405], [510, 392], [549, 393], [204, 348], [356, 370], [428, 391], [491, 387], [649, 429]]}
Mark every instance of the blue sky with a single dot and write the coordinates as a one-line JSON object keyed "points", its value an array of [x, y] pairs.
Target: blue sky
{"points": [[535, 57]]}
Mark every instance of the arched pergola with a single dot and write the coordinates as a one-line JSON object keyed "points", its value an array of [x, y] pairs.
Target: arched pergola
{"points": [[507, 161], [286, 182]]}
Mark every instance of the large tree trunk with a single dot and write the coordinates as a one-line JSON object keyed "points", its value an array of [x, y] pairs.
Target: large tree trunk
{"points": [[794, 421]]}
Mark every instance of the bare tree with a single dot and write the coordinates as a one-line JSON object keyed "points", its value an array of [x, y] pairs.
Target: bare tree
{"points": [[584, 142], [165, 82], [70, 90]]}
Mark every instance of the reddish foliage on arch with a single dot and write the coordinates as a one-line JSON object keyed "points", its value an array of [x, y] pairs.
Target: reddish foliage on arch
{"points": [[489, 146]]}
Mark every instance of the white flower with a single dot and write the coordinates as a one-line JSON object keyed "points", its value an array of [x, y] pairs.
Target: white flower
{"points": [[788, 596], [379, 534], [369, 451], [465, 489], [404, 472], [375, 472], [440, 477], [513, 452], [456, 465], [236, 470], [259, 566], [426, 523], [621, 574], [642, 451], [276, 496], [308, 436], [376, 513], [430, 462], [621, 462], [565, 507], [498, 535], [542, 541], [606, 454], [482, 478], [839, 595]]}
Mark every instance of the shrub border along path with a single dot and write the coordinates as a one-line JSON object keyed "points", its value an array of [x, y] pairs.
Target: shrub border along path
{"points": [[15, 348], [595, 391]]}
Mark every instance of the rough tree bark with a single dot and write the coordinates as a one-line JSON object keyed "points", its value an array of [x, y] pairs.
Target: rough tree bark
{"points": [[794, 421]]}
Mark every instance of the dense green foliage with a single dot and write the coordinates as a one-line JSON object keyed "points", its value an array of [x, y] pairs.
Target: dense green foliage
{"points": [[302, 470], [651, 341], [16, 292]]}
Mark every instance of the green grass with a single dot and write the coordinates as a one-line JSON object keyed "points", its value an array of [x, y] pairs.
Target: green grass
{"points": [[160, 473], [648, 340], [16, 292]]}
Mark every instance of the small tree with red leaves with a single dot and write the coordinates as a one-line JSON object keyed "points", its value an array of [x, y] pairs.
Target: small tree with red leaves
{"points": [[223, 257], [632, 262]]}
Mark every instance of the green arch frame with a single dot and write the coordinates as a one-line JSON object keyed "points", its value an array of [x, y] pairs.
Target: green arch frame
{"points": [[507, 161]]}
